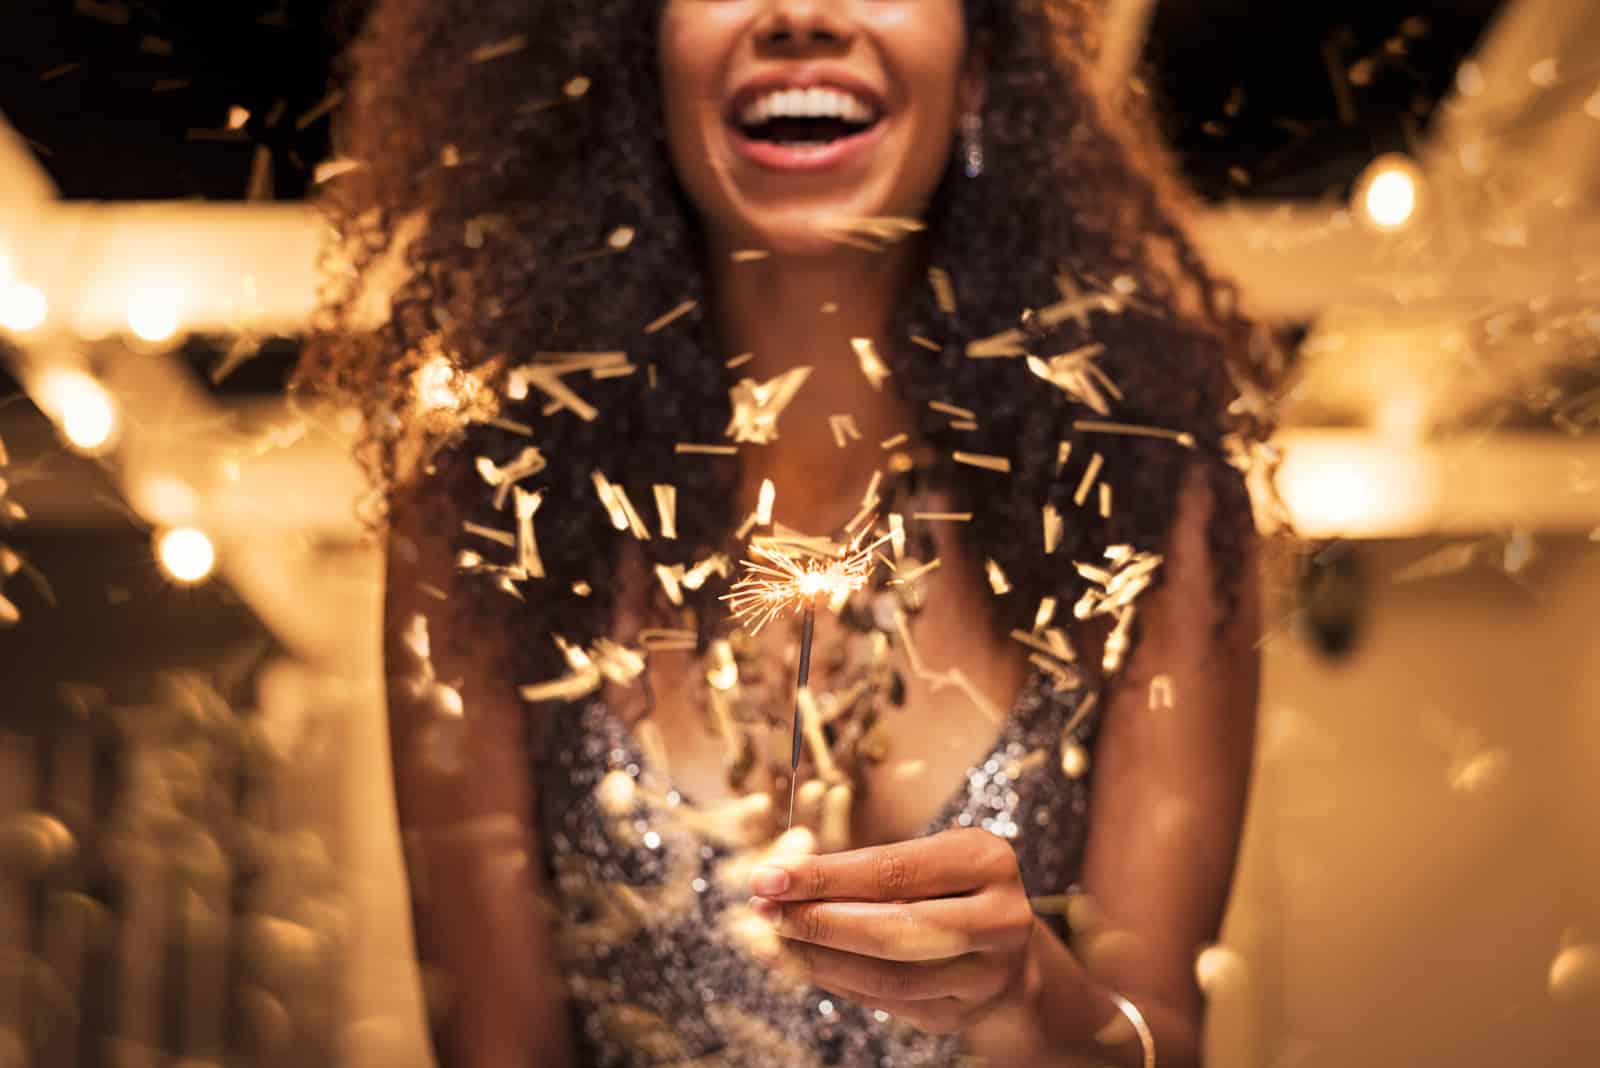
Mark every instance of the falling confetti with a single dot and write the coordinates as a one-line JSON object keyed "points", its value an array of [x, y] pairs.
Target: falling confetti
{"points": [[757, 406], [872, 364]]}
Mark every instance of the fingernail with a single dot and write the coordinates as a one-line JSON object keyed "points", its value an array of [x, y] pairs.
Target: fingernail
{"points": [[769, 881], [767, 910]]}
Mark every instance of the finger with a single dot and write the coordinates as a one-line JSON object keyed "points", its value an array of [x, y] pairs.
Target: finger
{"points": [[973, 977], [908, 931], [950, 862]]}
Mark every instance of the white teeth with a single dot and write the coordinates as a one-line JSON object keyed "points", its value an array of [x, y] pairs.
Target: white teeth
{"points": [[807, 103]]}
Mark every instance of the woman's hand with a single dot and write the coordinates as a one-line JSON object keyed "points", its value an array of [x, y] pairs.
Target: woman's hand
{"points": [[935, 931]]}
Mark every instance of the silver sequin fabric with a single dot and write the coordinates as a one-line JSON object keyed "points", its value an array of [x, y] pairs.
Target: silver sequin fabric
{"points": [[655, 977]]}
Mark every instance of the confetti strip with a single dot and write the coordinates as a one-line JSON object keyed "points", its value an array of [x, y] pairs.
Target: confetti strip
{"points": [[944, 291], [667, 509], [1063, 454], [528, 463], [1094, 426], [739, 360], [964, 424], [671, 317], [870, 233], [988, 463], [671, 578], [1046, 613], [871, 364], [499, 537], [659, 637], [1105, 500], [942, 517], [952, 410], [997, 578], [927, 343], [1161, 693], [1075, 374], [684, 448], [582, 680], [894, 442], [1090, 473], [609, 500], [844, 429], [527, 506], [757, 406], [508, 46], [908, 577], [1054, 526], [749, 255], [635, 524], [319, 109], [768, 497]]}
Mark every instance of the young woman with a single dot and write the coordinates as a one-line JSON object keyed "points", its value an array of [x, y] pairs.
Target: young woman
{"points": [[614, 231]]}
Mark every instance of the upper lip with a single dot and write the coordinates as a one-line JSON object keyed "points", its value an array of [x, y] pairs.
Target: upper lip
{"points": [[802, 78]]}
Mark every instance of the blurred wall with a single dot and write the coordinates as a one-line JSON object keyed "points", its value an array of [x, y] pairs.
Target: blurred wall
{"points": [[1420, 883]]}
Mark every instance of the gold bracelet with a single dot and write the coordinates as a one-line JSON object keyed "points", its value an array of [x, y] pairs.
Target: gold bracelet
{"points": [[1147, 1041]]}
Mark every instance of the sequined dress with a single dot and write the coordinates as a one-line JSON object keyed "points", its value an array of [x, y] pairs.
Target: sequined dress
{"points": [[655, 976]]}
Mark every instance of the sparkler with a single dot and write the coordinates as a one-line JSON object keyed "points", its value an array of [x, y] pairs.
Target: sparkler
{"points": [[777, 581]]}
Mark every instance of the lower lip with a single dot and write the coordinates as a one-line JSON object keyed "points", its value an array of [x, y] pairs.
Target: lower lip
{"points": [[834, 154]]}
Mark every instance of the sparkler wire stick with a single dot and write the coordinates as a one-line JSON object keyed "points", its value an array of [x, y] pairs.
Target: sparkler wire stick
{"points": [[802, 679]]}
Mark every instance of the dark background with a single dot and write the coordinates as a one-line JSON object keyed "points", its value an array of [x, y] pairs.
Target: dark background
{"points": [[129, 100]]}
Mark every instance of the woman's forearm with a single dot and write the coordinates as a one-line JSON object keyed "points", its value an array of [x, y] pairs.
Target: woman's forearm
{"points": [[1062, 1017]]}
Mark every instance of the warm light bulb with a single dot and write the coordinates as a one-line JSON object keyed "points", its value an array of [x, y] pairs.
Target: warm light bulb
{"points": [[1391, 192], [22, 307], [153, 314], [186, 555], [80, 406]]}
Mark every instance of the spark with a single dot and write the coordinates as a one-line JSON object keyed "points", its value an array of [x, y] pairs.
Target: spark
{"points": [[776, 581]]}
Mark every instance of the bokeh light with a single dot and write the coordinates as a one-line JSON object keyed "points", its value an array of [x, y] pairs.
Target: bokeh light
{"points": [[155, 313], [80, 406], [186, 554], [23, 307], [1390, 192]]}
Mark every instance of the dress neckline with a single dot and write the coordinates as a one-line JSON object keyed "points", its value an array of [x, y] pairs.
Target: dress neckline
{"points": [[1034, 695]]}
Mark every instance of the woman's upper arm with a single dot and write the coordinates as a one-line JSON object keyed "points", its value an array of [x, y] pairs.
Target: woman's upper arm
{"points": [[1171, 781], [465, 798]]}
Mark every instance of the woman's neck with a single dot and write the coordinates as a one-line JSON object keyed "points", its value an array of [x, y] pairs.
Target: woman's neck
{"points": [[808, 312]]}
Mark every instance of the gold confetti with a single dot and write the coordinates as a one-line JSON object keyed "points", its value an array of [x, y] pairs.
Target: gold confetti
{"points": [[871, 364], [1094, 426], [740, 360], [997, 578], [870, 233], [1063, 454], [319, 109], [765, 501], [894, 442], [1105, 500], [635, 524], [664, 639], [1054, 526], [1076, 375], [499, 537], [582, 589], [1090, 473], [577, 87], [749, 255], [1045, 614], [667, 509], [844, 429], [758, 405], [581, 680], [328, 170], [944, 291], [1161, 693], [988, 463], [506, 47], [927, 343], [1130, 575], [964, 424], [908, 577], [671, 317], [671, 578], [942, 517], [527, 505], [527, 463], [607, 493], [684, 448], [952, 410]]}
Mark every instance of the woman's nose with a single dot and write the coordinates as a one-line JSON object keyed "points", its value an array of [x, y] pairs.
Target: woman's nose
{"points": [[803, 25]]}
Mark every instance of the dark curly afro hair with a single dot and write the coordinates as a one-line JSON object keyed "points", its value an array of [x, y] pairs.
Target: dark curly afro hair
{"points": [[485, 183]]}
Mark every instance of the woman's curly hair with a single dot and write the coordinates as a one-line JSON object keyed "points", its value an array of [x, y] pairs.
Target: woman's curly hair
{"points": [[497, 143]]}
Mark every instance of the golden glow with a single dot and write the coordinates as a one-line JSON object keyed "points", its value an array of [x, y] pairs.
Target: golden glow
{"points": [[436, 385], [164, 499], [186, 555], [154, 312], [1340, 489], [23, 307], [775, 581], [1390, 192], [81, 408]]}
